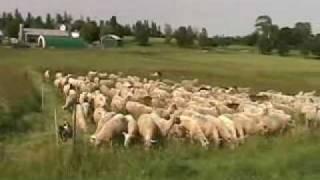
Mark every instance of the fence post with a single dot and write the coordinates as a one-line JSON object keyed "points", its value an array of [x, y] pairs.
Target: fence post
{"points": [[42, 97], [74, 125], [56, 126]]}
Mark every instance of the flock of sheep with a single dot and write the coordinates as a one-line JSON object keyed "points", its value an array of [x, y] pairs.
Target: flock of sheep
{"points": [[148, 110]]}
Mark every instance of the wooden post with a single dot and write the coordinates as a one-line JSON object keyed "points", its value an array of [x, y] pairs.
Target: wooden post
{"points": [[56, 126], [42, 98], [74, 117]]}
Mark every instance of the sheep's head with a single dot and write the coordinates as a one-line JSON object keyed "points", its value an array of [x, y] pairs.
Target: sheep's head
{"points": [[93, 139], [204, 142], [148, 144], [127, 139]]}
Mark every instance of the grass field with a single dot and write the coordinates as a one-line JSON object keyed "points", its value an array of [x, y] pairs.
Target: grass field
{"points": [[28, 150]]}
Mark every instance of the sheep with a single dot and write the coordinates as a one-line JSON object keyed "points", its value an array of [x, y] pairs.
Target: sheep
{"points": [[110, 130], [276, 121], [209, 128], [137, 109], [194, 130], [103, 75], [106, 117], [207, 114], [71, 99], [246, 125], [59, 75], [229, 125], [148, 129], [99, 100], [98, 114], [46, 75], [165, 125], [66, 89], [133, 130], [118, 103], [92, 74], [107, 82]]}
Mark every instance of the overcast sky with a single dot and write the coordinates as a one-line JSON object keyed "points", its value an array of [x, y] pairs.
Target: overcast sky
{"points": [[229, 17]]}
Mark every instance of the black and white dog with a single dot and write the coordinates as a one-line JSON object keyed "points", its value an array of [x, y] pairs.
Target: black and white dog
{"points": [[65, 131]]}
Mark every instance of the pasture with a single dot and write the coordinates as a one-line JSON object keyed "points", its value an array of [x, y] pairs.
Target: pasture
{"points": [[28, 151]]}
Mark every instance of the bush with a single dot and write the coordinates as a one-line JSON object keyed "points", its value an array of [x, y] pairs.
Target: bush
{"points": [[15, 120], [265, 45], [315, 46], [305, 47], [283, 48]]}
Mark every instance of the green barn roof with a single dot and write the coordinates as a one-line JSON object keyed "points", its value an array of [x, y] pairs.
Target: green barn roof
{"points": [[61, 42]]}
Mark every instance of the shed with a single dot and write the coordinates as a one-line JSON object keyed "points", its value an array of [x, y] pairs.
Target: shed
{"points": [[110, 40], [1, 35], [61, 42]]}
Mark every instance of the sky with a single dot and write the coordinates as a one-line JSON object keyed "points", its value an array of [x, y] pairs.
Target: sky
{"points": [[220, 17]]}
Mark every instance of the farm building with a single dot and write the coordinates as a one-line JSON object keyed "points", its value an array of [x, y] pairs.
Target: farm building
{"points": [[31, 35], [60, 42], [110, 40], [51, 38], [1, 36]]}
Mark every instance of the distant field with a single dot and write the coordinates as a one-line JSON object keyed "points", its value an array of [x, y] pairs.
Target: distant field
{"points": [[224, 68], [29, 151]]}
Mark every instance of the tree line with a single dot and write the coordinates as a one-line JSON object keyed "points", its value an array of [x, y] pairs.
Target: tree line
{"points": [[268, 37], [92, 30]]}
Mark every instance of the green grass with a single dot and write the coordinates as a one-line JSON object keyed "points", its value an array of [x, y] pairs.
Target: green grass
{"points": [[228, 68], [28, 151]]}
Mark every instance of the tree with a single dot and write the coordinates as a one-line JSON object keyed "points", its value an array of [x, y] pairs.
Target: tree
{"points": [[12, 28], [184, 36], [142, 33], [77, 25], [113, 22], [283, 42], [127, 30], [301, 31], [18, 16], [315, 45], [301, 36], [268, 34], [37, 22], [155, 30], [59, 19], [112, 27], [263, 25], [28, 20], [203, 38], [192, 34], [168, 33], [67, 18], [107, 29], [90, 31], [49, 22]]}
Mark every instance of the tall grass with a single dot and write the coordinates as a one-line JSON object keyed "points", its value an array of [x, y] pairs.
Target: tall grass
{"points": [[289, 157]]}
